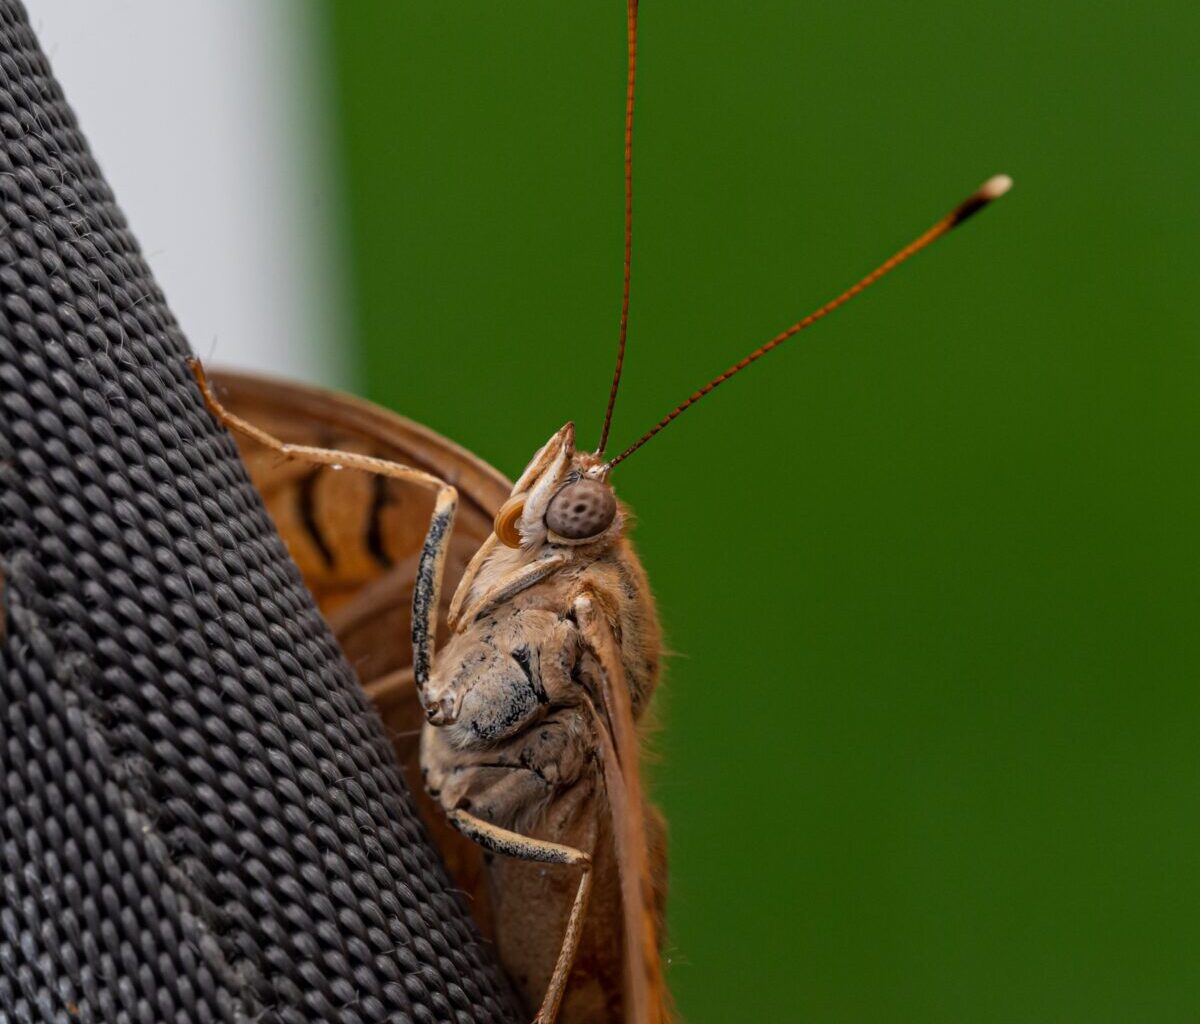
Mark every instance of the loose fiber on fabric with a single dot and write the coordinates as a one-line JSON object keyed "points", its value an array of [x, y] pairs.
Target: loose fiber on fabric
{"points": [[200, 817]]}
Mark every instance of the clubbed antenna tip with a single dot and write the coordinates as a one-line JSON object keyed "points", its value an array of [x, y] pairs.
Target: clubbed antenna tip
{"points": [[996, 186], [990, 190]]}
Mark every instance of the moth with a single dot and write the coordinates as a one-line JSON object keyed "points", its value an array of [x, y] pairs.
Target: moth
{"points": [[534, 651]]}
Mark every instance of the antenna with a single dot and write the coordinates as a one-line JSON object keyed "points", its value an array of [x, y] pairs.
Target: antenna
{"points": [[624, 328], [991, 189]]}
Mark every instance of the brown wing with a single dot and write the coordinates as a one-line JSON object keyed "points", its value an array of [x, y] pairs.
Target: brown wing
{"points": [[636, 826], [356, 539]]}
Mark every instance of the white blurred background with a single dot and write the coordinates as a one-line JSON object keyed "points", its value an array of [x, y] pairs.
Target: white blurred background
{"points": [[207, 118]]}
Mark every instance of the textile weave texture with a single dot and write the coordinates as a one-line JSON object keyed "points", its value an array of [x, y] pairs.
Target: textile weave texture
{"points": [[200, 817]]}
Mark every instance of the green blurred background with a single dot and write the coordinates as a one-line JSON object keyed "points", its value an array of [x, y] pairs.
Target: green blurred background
{"points": [[929, 573]]}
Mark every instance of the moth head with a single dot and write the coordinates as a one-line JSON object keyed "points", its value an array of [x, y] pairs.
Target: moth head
{"points": [[563, 497]]}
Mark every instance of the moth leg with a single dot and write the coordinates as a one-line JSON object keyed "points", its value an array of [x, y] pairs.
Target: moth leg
{"points": [[428, 588], [513, 844], [514, 583]]}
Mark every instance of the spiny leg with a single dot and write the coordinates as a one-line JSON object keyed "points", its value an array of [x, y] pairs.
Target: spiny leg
{"points": [[428, 587], [513, 844]]}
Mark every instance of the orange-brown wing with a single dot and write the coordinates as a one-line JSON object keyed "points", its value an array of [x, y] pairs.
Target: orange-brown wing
{"points": [[349, 530], [356, 539], [640, 849]]}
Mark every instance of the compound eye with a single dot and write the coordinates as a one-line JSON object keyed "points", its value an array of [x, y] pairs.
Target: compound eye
{"points": [[580, 510]]}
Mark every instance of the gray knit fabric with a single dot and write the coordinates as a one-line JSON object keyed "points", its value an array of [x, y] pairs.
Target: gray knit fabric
{"points": [[200, 817]]}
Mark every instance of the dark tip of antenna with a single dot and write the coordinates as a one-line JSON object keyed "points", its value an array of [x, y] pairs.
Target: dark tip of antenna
{"points": [[991, 189]]}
